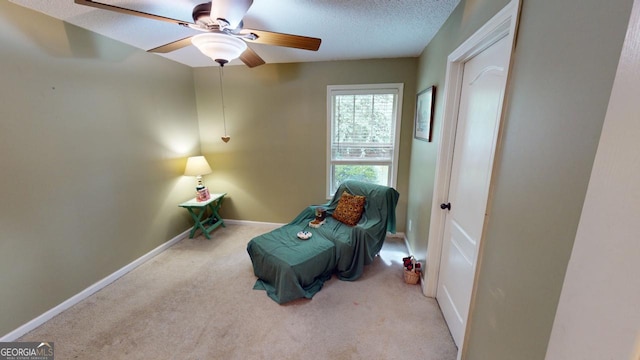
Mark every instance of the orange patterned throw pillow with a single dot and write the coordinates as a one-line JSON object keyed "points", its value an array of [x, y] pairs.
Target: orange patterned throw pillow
{"points": [[349, 209]]}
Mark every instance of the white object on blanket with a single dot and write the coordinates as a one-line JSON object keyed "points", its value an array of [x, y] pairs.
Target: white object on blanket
{"points": [[304, 235]]}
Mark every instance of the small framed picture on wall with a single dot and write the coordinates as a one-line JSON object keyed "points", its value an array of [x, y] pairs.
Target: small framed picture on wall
{"points": [[424, 114]]}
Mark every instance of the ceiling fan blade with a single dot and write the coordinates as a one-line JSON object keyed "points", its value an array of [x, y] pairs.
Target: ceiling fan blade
{"points": [[122, 10], [172, 46], [287, 40], [250, 58]]}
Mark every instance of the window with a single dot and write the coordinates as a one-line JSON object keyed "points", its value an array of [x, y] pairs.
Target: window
{"points": [[363, 133]]}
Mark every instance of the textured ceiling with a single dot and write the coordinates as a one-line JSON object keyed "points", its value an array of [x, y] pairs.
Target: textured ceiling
{"points": [[349, 29]]}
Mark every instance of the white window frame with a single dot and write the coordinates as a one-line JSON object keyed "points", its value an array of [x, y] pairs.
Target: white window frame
{"points": [[396, 88]]}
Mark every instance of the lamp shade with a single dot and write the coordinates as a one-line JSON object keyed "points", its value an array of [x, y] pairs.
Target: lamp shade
{"points": [[196, 166], [219, 46]]}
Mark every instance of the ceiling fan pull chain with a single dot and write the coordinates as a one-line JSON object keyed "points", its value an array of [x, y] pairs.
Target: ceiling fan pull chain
{"points": [[225, 138]]}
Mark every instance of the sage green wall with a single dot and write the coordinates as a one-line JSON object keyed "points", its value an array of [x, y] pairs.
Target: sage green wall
{"points": [[468, 17], [93, 135], [565, 62], [276, 114], [563, 69]]}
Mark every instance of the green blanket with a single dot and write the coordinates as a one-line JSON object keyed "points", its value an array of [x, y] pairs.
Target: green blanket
{"points": [[289, 268]]}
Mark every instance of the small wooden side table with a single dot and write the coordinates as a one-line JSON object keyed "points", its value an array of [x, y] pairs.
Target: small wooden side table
{"points": [[198, 209]]}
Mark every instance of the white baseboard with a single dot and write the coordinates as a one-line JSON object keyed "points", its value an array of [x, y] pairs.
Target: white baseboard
{"points": [[406, 243], [91, 289], [397, 235], [248, 222]]}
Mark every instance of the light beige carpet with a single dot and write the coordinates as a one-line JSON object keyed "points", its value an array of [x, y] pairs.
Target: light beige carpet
{"points": [[195, 301]]}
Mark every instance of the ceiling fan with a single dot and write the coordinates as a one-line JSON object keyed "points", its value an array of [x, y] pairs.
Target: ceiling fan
{"points": [[223, 38]]}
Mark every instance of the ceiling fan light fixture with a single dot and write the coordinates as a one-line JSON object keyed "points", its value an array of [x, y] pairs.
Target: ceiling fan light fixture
{"points": [[219, 46]]}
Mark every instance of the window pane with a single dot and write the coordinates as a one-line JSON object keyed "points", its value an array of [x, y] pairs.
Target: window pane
{"points": [[363, 127], [364, 119], [363, 133], [375, 174]]}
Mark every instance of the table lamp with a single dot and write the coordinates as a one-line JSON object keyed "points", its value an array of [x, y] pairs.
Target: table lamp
{"points": [[198, 166]]}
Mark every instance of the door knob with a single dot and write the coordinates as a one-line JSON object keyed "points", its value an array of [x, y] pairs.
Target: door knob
{"points": [[445, 206]]}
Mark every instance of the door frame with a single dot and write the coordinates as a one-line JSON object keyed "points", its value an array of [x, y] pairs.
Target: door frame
{"points": [[504, 23]]}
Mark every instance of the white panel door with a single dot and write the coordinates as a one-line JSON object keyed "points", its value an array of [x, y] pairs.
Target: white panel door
{"points": [[482, 93]]}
